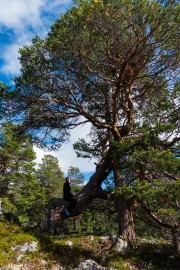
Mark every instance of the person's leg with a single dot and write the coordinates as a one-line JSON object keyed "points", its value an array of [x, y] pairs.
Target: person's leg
{"points": [[66, 212]]}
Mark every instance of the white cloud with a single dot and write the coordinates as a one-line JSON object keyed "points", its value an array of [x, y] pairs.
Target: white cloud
{"points": [[20, 14], [10, 54], [25, 19], [58, 5], [66, 155], [10, 57], [17, 14]]}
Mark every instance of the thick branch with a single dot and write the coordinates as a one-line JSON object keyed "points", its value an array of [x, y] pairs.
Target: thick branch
{"points": [[92, 188]]}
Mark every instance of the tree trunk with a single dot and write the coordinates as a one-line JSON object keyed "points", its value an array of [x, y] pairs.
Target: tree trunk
{"points": [[125, 218], [55, 219], [125, 211], [176, 240]]}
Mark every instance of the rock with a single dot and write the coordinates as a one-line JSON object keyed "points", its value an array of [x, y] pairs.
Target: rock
{"points": [[43, 262], [19, 257], [158, 250], [91, 265], [104, 237], [56, 267], [172, 257], [69, 243], [33, 246], [15, 267], [91, 237], [31, 266], [26, 247], [120, 245]]}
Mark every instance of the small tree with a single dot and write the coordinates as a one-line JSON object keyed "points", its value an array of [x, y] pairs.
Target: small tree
{"points": [[77, 179], [50, 177], [77, 182]]}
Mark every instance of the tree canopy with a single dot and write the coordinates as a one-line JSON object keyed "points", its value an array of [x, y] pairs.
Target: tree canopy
{"points": [[102, 71]]}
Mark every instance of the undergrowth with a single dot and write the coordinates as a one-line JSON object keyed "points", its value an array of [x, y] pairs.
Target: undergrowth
{"points": [[70, 250]]}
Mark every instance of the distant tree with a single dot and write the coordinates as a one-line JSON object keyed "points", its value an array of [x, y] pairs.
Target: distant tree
{"points": [[20, 192], [16, 155], [77, 182], [50, 177], [77, 179]]}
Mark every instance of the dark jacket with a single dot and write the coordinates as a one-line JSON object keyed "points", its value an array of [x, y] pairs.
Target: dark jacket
{"points": [[67, 195]]}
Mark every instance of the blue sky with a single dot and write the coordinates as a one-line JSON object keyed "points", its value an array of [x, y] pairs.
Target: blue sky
{"points": [[20, 21]]}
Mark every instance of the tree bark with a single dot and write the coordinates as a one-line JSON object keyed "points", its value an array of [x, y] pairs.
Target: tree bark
{"points": [[55, 219], [125, 212], [176, 240], [125, 218]]}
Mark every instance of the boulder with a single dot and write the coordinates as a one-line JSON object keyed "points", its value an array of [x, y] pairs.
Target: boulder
{"points": [[91, 237], [26, 247], [69, 243], [91, 265], [15, 267], [120, 245]]}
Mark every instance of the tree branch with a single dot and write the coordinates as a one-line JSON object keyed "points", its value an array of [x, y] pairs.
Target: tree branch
{"points": [[149, 211]]}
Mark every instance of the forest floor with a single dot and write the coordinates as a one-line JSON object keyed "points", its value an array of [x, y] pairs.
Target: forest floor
{"points": [[69, 251]]}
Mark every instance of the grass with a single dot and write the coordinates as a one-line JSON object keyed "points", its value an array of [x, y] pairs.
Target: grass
{"points": [[11, 235], [53, 250]]}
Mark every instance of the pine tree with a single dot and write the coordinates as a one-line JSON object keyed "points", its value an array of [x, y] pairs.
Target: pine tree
{"points": [[77, 179], [51, 177], [20, 192]]}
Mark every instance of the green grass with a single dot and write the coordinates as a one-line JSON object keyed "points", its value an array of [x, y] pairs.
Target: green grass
{"points": [[54, 250], [10, 236]]}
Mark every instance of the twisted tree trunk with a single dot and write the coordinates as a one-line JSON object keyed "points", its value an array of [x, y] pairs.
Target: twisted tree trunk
{"points": [[55, 219]]}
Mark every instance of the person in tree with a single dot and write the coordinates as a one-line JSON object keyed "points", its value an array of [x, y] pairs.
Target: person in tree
{"points": [[68, 196]]}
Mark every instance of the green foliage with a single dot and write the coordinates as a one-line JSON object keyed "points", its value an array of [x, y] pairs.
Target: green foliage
{"points": [[150, 171], [50, 177], [20, 192], [161, 197], [74, 71], [25, 201]]}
